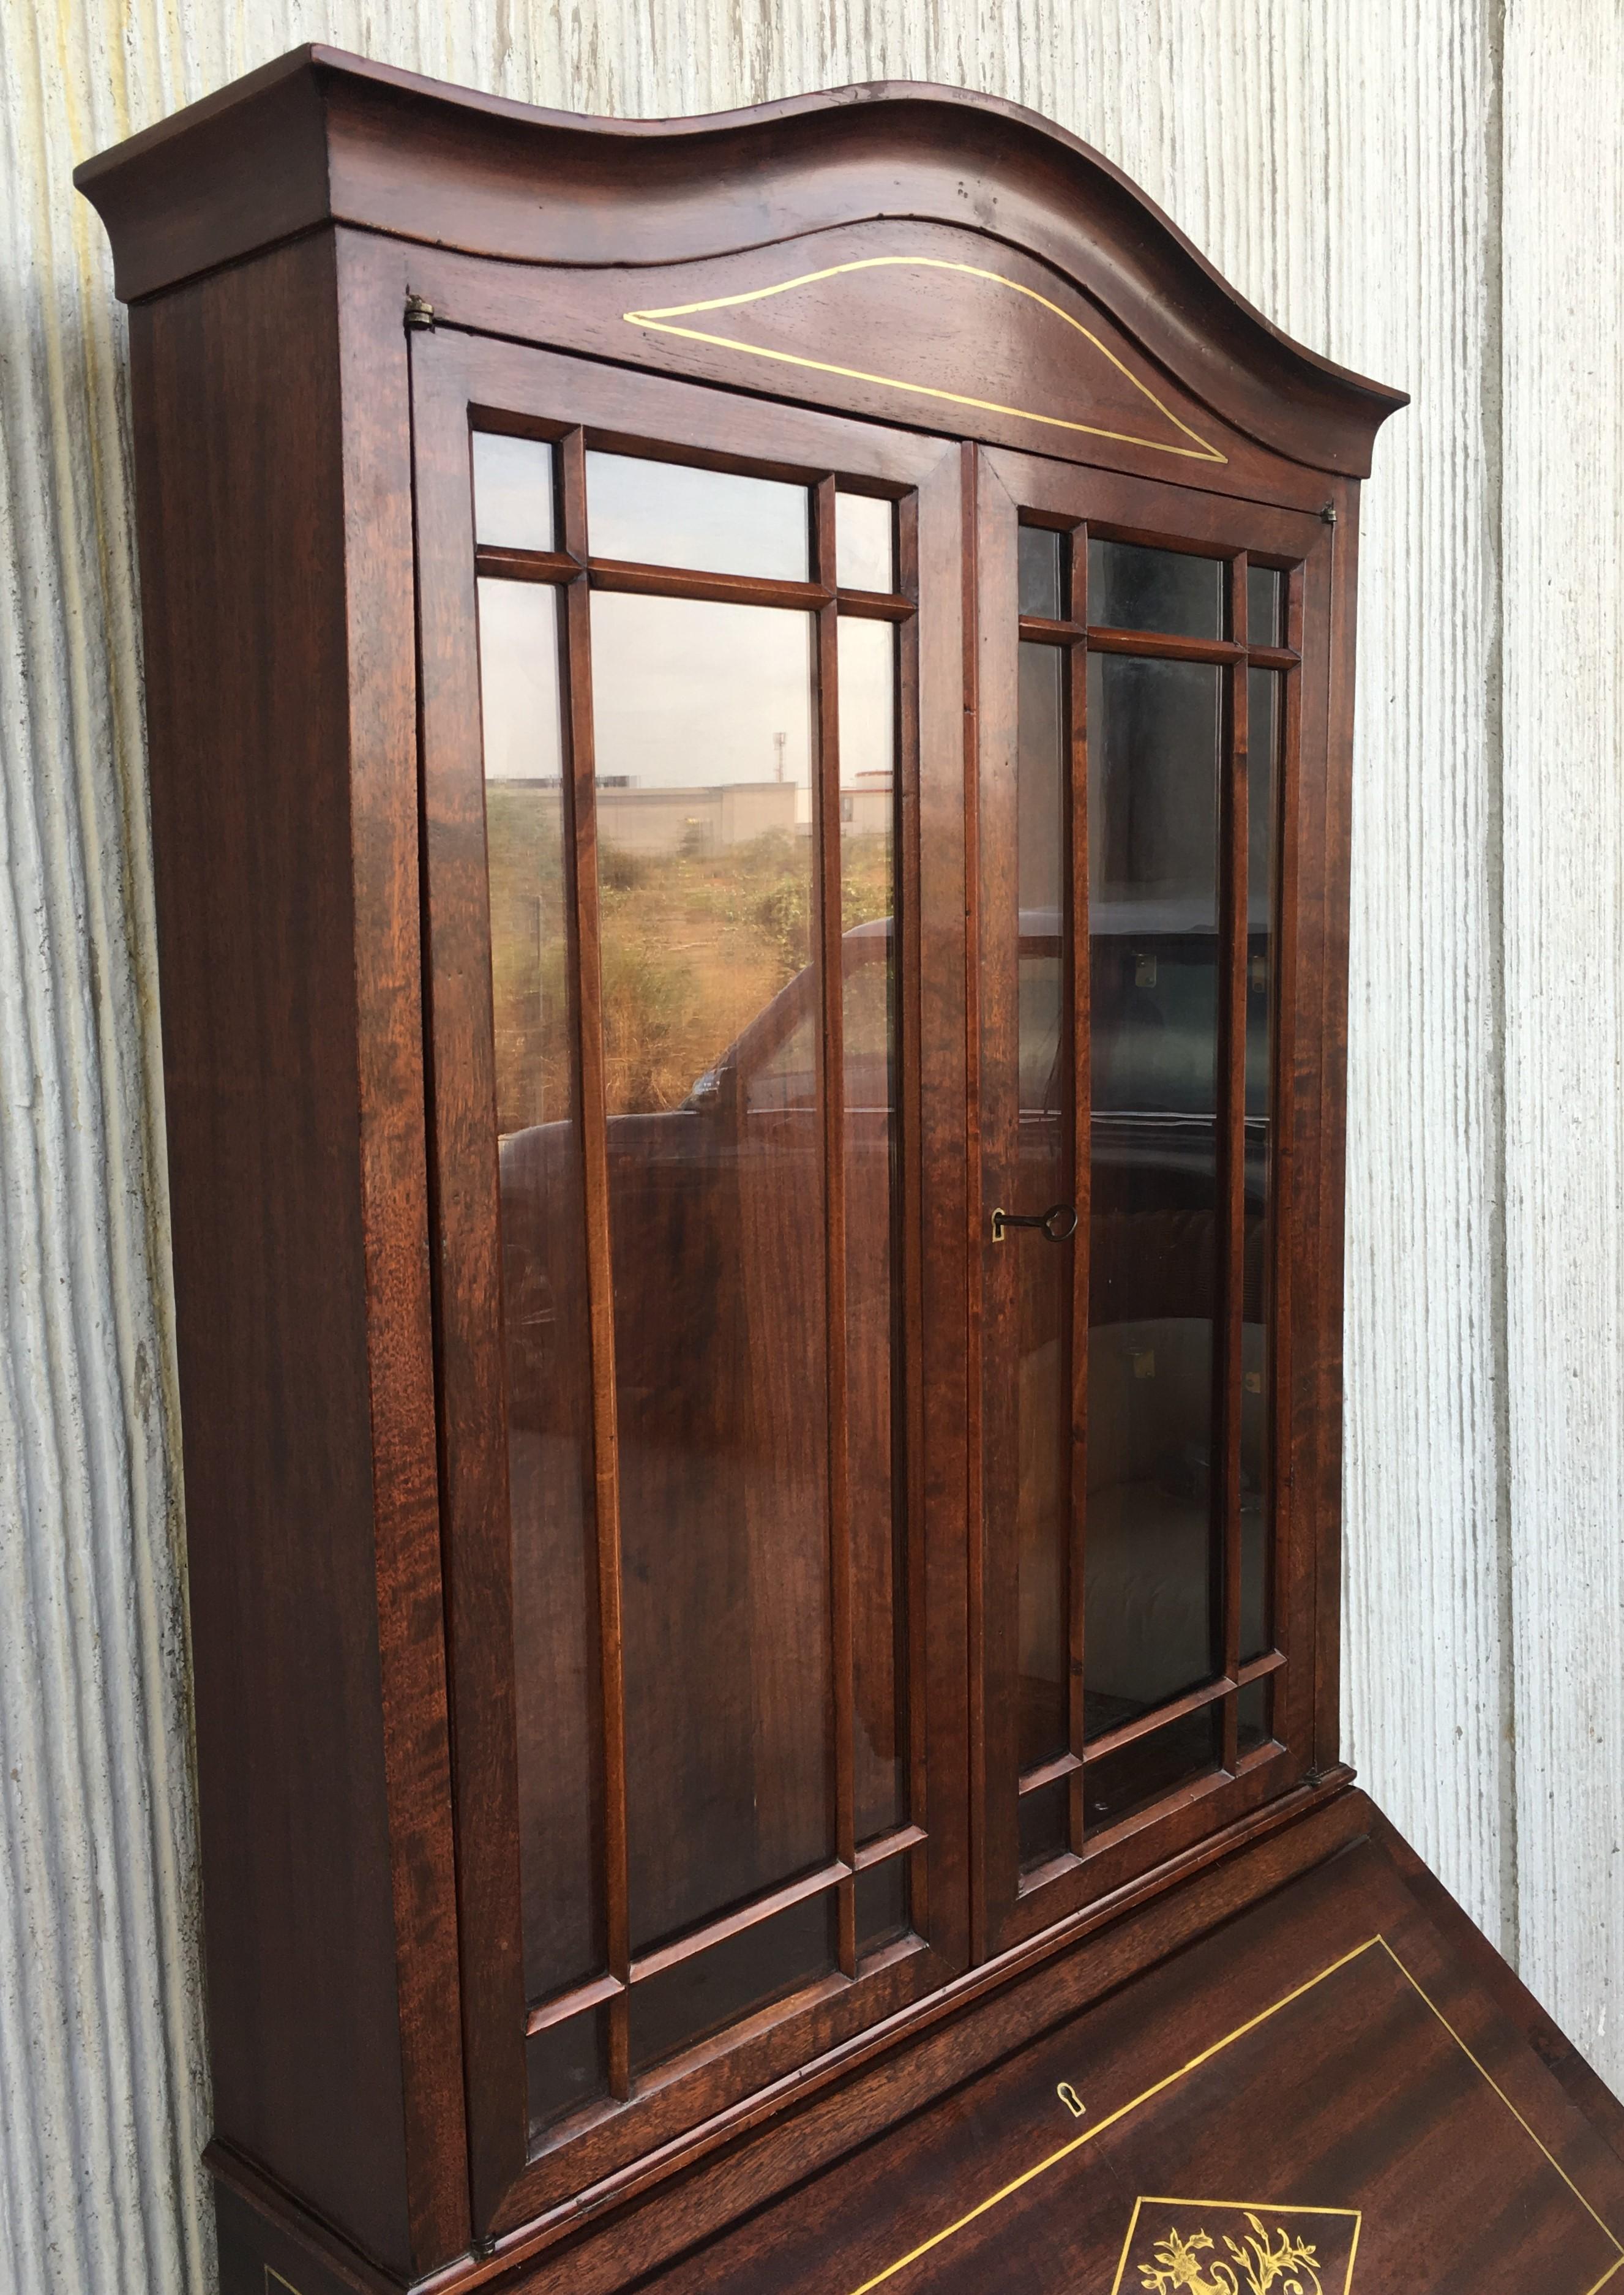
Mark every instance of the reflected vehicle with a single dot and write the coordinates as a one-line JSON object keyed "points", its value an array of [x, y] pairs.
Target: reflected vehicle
{"points": [[738, 1158], [718, 1214]]}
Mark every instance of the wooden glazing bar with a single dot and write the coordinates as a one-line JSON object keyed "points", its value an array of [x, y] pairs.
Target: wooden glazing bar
{"points": [[887, 1845], [582, 838], [836, 1874], [1146, 1725], [575, 2001], [876, 606], [908, 1389], [1080, 1158], [1282, 962], [1232, 1154], [719, 589], [1155, 645], [525, 565], [1048, 1773], [831, 981], [1260, 1669]]}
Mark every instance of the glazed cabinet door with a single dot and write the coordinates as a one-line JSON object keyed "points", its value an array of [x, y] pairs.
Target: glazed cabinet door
{"points": [[693, 757], [1153, 668]]}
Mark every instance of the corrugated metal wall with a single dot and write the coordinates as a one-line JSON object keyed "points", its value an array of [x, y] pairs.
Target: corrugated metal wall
{"points": [[1431, 190]]}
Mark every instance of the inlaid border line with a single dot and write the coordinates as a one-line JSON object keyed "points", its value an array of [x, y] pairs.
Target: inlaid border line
{"points": [[1053, 2159], [658, 320], [1042, 2167], [1480, 2068]]}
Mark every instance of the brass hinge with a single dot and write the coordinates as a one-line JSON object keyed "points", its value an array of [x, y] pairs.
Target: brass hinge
{"points": [[1329, 513], [420, 311]]}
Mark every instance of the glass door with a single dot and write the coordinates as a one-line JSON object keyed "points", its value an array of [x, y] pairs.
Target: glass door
{"points": [[691, 680], [1144, 693]]}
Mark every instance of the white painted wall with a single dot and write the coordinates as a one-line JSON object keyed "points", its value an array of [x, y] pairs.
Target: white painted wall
{"points": [[1430, 190]]}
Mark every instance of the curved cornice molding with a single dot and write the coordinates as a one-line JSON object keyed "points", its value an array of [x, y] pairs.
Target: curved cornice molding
{"points": [[320, 136]]}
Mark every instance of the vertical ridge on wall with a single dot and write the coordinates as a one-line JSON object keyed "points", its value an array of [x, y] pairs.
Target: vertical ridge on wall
{"points": [[102, 2083], [1563, 841], [1343, 163]]}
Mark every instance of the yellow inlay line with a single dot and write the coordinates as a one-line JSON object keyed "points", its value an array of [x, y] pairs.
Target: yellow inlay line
{"points": [[660, 321], [1510, 2106], [1042, 2167]]}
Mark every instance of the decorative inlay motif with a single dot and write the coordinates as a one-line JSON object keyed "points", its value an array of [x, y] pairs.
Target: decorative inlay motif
{"points": [[1187, 442], [1236, 2247], [1171, 2244]]}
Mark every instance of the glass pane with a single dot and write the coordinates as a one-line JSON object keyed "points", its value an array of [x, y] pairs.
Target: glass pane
{"points": [[882, 1905], [715, 521], [1133, 588], [704, 717], [1044, 1823], [567, 2065], [1146, 1771], [512, 492], [684, 2004], [1040, 566], [543, 1292], [1255, 1725], [1154, 755], [1265, 716], [1265, 606], [868, 897], [865, 542], [1043, 1270]]}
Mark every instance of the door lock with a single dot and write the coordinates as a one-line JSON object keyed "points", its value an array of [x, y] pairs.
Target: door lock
{"points": [[1058, 1222]]}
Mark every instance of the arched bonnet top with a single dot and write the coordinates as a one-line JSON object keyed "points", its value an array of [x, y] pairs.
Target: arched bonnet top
{"points": [[319, 137]]}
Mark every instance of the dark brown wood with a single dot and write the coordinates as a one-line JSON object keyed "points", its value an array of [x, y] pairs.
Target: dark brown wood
{"points": [[320, 137], [581, 817], [368, 1277], [1327, 2051], [293, 1089], [1233, 820], [829, 962]]}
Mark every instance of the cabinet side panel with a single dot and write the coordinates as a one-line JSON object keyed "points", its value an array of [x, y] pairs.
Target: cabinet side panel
{"points": [[238, 452]]}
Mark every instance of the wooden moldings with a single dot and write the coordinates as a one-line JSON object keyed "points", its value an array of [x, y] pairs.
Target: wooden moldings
{"points": [[1073, 381], [1326, 2063], [323, 137]]}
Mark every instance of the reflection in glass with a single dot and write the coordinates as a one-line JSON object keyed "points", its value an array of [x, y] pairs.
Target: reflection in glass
{"points": [[1265, 606], [1255, 1726], [865, 542], [513, 503], [566, 2066], [1041, 566], [1132, 587], [1126, 1782], [1153, 756], [713, 521], [1043, 1824], [867, 677], [1042, 1177], [882, 1905], [685, 2004], [703, 716], [1265, 714], [543, 1292]]}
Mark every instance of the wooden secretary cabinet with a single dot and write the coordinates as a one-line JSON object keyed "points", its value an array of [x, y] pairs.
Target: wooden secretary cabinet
{"points": [[750, 728]]}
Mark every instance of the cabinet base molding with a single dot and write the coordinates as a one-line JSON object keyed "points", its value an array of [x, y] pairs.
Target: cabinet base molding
{"points": [[1317, 1930]]}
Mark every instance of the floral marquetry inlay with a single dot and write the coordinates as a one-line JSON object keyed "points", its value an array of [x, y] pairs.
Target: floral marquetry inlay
{"points": [[1229, 2247]]}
